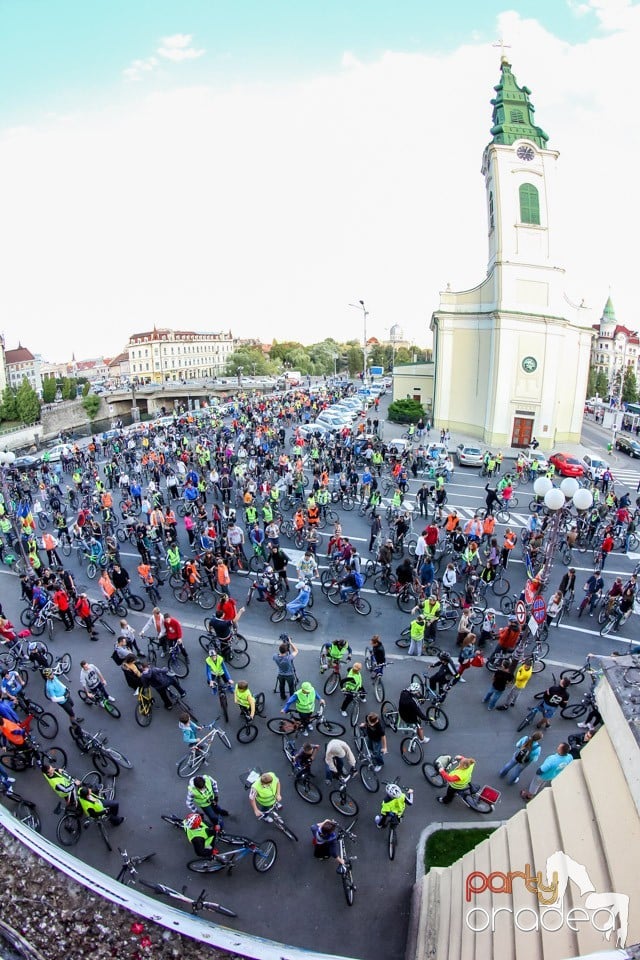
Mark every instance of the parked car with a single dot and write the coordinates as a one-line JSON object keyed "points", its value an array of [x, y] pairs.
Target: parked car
{"points": [[313, 430], [56, 451], [567, 465], [541, 460], [594, 467], [627, 445], [27, 462], [469, 456]]}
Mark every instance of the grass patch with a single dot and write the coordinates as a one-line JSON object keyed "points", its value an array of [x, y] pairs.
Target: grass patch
{"points": [[444, 847]]}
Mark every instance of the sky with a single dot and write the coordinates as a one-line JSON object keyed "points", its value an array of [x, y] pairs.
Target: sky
{"points": [[259, 165]]}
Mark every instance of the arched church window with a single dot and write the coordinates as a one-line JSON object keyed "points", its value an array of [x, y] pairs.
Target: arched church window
{"points": [[517, 116], [529, 204], [491, 218]]}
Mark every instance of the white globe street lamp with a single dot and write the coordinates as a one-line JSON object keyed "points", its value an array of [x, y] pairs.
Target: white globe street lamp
{"points": [[555, 500]]}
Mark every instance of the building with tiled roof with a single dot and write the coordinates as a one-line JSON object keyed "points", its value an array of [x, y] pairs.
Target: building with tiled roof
{"points": [[162, 354], [614, 348], [21, 363]]}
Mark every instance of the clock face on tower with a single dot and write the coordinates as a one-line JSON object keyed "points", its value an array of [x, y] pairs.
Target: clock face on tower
{"points": [[529, 364], [525, 153]]}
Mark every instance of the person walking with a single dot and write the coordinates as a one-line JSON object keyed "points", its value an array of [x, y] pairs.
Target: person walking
{"points": [[416, 632], [283, 659], [548, 770], [527, 750], [501, 678]]}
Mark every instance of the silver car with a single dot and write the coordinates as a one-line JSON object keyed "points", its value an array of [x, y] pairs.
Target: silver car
{"points": [[468, 456]]}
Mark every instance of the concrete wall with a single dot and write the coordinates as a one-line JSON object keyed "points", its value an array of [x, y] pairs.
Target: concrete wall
{"points": [[67, 416]]}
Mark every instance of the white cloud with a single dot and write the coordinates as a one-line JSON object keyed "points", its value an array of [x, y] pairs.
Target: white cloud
{"points": [[175, 48], [612, 14], [267, 209], [178, 47]]}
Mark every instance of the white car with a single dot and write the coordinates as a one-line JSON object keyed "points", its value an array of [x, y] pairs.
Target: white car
{"points": [[332, 423], [594, 467], [55, 453], [543, 463]]}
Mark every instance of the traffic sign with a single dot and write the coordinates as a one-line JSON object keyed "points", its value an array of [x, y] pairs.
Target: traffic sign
{"points": [[539, 609], [531, 590], [521, 612]]}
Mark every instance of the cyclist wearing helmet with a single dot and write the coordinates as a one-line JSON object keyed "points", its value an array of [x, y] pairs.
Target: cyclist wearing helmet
{"points": [[200, 835], [301, 602], [410, 711], [394, 804]]}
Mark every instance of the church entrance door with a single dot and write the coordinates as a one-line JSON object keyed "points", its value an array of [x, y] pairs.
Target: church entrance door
{"points": [[522, 432]]}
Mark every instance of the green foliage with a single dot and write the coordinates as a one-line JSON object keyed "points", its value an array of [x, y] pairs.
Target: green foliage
{"points": [[8, 408], [91, 404], [68, 388], [49, 389], [405, 411], [602, 384], [591, 382], [629, 386], [86, 386], [444, 847], [247, 357], [27, 403]]}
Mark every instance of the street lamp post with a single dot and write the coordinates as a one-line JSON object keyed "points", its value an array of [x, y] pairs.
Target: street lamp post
{"points": [[555, 498]]}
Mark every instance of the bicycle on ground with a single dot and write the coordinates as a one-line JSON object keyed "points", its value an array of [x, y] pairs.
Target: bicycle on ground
{"points": [[129, 874], [264, 854], [106, 759], [25, 810]]}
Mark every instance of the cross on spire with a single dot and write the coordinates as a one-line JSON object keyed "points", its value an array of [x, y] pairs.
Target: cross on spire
{"points": [[501, 43]]}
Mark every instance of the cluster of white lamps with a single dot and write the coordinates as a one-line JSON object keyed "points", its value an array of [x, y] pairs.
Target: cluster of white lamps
{"points": [[556, 497]]}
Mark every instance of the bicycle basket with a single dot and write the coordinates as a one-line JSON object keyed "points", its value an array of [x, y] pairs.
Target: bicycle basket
{"points": [[490, 794]]}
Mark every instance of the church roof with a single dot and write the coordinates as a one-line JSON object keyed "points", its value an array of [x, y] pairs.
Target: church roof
{"points": [[513, 112], [21, 355], [609, 313]]}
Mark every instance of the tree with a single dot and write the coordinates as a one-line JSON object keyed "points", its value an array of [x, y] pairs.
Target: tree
{"points": [[591, 381], [248, 358], [49, 389], [86, 386], [616, 386], [405, 411], [27, 403], [8, 409], [629, 386], [68, 388], [602, 384], [91, 404]]}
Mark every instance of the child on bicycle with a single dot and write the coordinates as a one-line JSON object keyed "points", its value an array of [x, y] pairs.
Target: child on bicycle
{"points": [[304, 758], [245, 699], [393, 805], [189, 729]]}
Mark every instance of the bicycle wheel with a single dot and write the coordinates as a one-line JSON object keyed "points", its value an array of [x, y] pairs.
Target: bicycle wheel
{"points": [[68, 830], [403, 640], [179, 665], [282, 726], [181, 594], [344, 803], [278, 614], [606, 629], [143, 715], [26, 813], [330, 728], [389, 713], [354, 712], [411, 751], [381, 584], [307, 790], [205, 598], [37, 626], [207, 866], [105, 764], [348, 503], [222, 697], [224, 739], [247, 733], [526, 720], [65, 662], [14, 762], [378, 689], [406, 600], [362, 606], [500, 586], [507, 605], [542, 649], [369, 777], [437, 717], [369, 662], [333, 595], [332, 683], [134, 602], [265, 856], [47, 725], [574, 711], [393, 842], [189, 765], [308, 622], [573, 676], [502, 516], [538, 665], [239, 659], [348, 885], [432, 774], [111, 709], [476, 803]]}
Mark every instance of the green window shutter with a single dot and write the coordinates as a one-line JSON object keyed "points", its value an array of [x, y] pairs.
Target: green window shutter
{"points": [[517, 116], [529, 204]]}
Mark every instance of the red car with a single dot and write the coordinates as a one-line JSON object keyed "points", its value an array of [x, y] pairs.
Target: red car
{"points": [[566, 465]]}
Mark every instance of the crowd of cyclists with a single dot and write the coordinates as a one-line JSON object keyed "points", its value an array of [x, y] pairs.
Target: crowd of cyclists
{"points": [[211, 502]]}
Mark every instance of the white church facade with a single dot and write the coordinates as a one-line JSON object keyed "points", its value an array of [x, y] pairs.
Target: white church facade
{"points": [[509, 361]]}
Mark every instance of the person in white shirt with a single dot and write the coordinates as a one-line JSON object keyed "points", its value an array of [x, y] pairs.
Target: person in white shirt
{"points": [[93, 682], [449, 578], [307, 567], [339, 759]]}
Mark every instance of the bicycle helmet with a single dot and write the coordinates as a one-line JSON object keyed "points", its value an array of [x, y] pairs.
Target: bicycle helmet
{"points": [[393, 791], [414, 688], [193, 821]]}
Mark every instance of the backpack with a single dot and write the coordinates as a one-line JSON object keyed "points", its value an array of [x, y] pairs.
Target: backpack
{"points": [[524, 753], [358, 580]]}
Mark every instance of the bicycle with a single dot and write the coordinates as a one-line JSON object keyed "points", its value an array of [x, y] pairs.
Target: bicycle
{"points": [[289, 726], [144, 706], [177, 657], [128, 873], [353, 707], [248, 730], [46, 723], [334, 679], [25, 811], [203, 596], [271, 815], [614, 620], [264, 854], [394, 821], [411, 747], [366, 768], [359, 604], [480, 800], [303, 782], [114, 606], [189, 765], [219, 688], [107, 760], [74, 821], [577, 675], [346, 874], [342, 801], [429, 649], [377, 671], [30, 754], [102, 701], [233, 650], [306, 620]]}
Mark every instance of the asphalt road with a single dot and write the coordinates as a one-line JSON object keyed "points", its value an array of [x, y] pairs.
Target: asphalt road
{"points": [[301, 901]]}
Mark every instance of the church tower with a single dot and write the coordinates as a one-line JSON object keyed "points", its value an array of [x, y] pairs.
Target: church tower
{"points": [[509, 363]]}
